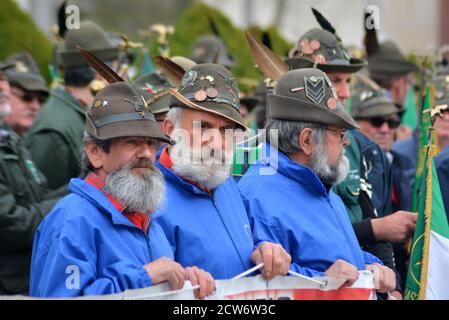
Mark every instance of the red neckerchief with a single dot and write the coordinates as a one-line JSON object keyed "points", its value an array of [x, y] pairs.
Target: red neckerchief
{"points": [[394, 198], [139, 219], [166, 161]]}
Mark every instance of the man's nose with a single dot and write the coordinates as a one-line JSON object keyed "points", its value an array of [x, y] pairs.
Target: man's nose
{"points": [[384, 128], [146, 151]]}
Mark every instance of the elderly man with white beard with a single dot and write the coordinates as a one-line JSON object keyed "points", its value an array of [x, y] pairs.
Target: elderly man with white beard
{"points": [[204, 218], [295, 205], [97, 239]]}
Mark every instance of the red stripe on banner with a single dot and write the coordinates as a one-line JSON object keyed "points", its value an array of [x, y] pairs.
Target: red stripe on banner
{"points": [[305, 294]]}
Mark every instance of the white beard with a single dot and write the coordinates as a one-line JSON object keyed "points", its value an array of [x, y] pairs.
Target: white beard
{"points": [[329, 175], [206, 166], [139, 193]]}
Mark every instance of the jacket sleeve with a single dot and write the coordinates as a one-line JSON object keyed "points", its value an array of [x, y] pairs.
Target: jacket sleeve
{"points": [[364, 232], [53, 157], [263, 231], [67, 269], [370, 259], [18, 223]]}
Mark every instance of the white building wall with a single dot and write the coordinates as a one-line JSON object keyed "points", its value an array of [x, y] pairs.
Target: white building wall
{"points": [[413, 24]]}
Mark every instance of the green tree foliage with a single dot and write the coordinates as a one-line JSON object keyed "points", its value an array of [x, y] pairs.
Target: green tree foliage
{"points": [[195, 22], [19, 33]]}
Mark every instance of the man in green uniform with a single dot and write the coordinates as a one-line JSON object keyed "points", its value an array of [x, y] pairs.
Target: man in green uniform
{"points": [[24, 201], [55, 140], [28, 92]]}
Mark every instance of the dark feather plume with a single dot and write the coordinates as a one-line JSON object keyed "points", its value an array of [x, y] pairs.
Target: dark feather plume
{"points": [[370, 40], [171, 70], [213, 26], [266, 40], [102, 68], [324, 23], [61, 19]]}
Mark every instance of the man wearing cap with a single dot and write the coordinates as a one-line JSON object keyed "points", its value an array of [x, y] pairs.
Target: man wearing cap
{"points": [[28, 91], [388, 67], [366, 191], [24, 201], [56, 138], [98, 239], [378, 119], [211, 49], [154, 88], [294, 204], [204, 219]]}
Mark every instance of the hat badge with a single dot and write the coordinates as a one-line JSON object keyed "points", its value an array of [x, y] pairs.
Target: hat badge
{"points": [[314, 87], [21, 67]]}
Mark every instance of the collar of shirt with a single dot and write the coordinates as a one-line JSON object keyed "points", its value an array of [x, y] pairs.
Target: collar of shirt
{"points": [[139, 219], [166, 161]]}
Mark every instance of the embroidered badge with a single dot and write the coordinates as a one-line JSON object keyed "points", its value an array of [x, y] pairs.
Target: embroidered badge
{"points": [[314, 87]]}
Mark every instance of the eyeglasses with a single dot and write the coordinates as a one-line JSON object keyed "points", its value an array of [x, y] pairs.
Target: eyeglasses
{"points": [[341, 132], [379, 122], [28, 96]]}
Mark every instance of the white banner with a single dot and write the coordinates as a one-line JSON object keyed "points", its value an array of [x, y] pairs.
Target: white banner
{"points": [[252, 288]]}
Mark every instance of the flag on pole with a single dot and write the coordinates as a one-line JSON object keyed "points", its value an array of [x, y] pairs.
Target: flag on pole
{"points": [[424, 126], [428, 270]]}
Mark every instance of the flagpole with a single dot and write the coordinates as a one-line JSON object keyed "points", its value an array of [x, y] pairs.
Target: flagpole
{"points": [[430, 152]]}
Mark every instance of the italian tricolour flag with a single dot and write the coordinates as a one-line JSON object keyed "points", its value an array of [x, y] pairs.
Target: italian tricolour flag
{"points": [[428, 270]]}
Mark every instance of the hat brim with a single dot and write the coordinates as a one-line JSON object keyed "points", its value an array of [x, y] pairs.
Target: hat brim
{"points": [[384, 67], [29, 83], [132, 128], [212, 107], [288, 108], [71, 59], [6, 66], [301, 63], [161, 105]]}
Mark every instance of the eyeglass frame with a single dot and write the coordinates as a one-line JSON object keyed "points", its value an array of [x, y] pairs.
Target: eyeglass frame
{"points": [[343, 133]]}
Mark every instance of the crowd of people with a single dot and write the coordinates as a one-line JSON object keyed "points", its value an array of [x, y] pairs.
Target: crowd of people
{"points": [[139, 183]]}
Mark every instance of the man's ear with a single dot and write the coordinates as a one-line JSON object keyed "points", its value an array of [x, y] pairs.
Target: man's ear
{"points": [[167, 126], [95, 154], [305, 141]]}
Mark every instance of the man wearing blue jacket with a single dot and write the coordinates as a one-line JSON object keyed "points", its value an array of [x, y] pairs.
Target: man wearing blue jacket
{"points": [[98, 239], [294, 205], [204, 218]]}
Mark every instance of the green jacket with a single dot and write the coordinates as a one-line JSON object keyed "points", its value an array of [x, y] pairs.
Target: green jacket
{"points": [[56, 138], [23, 203], [349, 189]]}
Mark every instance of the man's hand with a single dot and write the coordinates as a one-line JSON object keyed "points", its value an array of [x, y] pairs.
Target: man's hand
{"points": [[384, 277], [341, 269], [165, 269], [396, 227], [204, 279], [396, 295], [275, 259]]}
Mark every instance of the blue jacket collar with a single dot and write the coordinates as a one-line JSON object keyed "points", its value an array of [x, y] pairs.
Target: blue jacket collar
{"points": [[98, 199], [294, 170]]}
